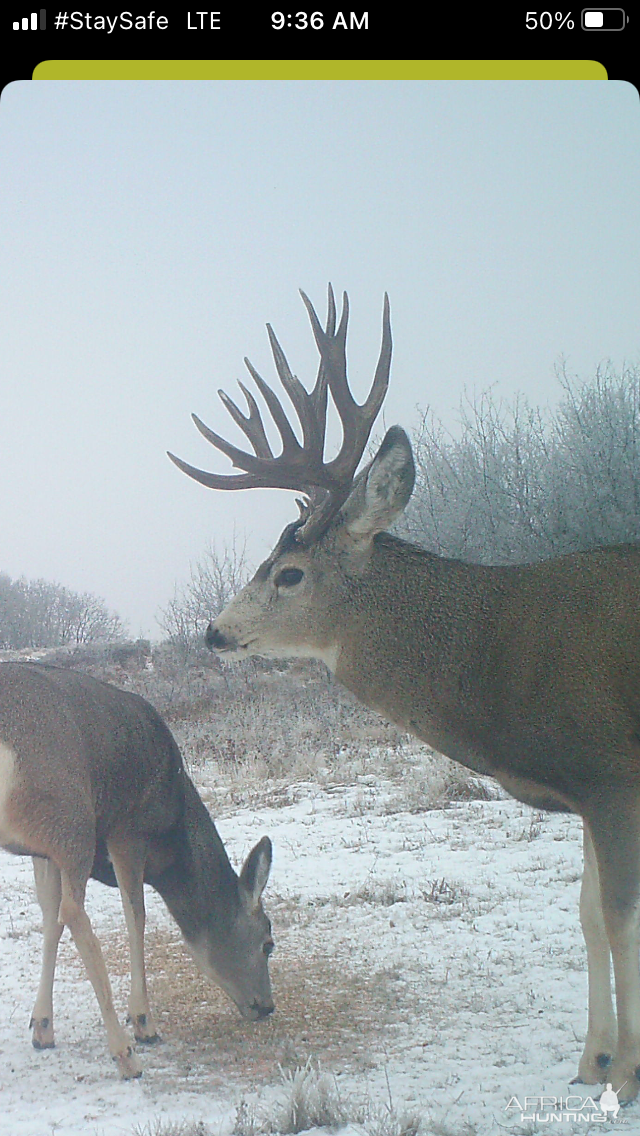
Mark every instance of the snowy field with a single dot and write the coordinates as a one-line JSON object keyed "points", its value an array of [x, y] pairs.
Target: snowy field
{"points": [[430, 962]]}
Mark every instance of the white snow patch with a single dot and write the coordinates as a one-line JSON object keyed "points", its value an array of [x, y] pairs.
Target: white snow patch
{"points": [[468, 917]]}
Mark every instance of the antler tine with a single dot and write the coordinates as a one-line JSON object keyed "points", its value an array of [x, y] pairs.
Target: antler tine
{"points": [[221, 480], [255, 473], [371, 406], [383, 369], [241, 459], [319, 393], [312, 424], [299, 466], [284, 472], [251, 425], [331, 343], [357, 420], [290, 443]]}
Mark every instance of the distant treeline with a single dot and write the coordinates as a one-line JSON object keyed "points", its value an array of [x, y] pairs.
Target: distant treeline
{"points": [[37, 613]]}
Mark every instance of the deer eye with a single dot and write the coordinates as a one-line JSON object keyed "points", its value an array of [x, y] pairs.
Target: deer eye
{"points": [[268, 947], [288, 577]]}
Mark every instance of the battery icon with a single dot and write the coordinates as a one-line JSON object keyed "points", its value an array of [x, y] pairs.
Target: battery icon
{"points": [[603, 19]]}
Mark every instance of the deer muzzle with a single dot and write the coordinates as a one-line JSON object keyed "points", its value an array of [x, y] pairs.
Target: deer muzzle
{"points": [[216, 641]]}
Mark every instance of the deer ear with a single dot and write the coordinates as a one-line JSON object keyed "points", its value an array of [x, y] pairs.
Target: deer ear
{"points": [[255, 870], [382, 491]]}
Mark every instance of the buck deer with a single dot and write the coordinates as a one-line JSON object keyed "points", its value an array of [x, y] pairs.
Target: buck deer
{"points": [[530, 674], [92, 784]]}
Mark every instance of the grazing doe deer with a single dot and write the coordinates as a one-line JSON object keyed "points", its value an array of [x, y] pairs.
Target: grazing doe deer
{"points": [[92, 784], [530, 674]]}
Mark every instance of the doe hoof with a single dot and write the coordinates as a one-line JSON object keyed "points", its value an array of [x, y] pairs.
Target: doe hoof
{"points": [[128, 1065], [42, 1036], [141, 1028]]}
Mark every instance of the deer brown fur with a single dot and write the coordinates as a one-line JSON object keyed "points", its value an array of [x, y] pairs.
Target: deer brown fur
{"points": [[92, 784]]}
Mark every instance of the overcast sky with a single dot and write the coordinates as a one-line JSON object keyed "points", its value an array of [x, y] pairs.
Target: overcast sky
{"points": [[150, 230]]}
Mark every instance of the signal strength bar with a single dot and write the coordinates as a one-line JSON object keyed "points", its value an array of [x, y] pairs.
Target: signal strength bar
{"points": [[36, 22]]}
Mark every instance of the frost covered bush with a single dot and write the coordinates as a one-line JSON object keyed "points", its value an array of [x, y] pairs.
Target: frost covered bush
{"points": [[519, 484]]}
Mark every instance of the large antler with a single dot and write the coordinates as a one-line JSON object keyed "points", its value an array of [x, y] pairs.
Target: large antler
{"points": [[302, 467]]}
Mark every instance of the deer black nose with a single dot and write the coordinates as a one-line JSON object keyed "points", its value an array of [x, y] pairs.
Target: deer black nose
{"points": [[215, 640], [264, 1011]]}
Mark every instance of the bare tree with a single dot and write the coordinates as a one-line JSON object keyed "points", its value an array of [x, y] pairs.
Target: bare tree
{"points": [[480, 496], [39, 613], [519, 484], [595, 491], [215, 578]]}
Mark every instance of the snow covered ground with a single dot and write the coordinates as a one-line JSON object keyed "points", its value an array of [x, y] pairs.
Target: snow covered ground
{"points": [[430, 961]]}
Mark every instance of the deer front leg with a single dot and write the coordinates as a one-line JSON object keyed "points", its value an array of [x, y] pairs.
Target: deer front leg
{"points": [[73, 914], [616, 840], [48, 890], [128, 863], [602, 1032]]}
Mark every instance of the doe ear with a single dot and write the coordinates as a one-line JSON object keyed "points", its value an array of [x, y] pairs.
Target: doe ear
{"points": [[382, 491], [255, 870]]}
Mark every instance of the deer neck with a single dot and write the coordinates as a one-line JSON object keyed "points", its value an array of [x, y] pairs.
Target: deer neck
{"points": [[412, 642], [197, 882]]}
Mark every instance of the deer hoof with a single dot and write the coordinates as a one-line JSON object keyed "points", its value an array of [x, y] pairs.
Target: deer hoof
{"points": [[144, 1029], [42, 1036], [128, 1065]]}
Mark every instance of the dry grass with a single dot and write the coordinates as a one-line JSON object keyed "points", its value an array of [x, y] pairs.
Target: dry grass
{"points": [[310, 1098], [173, 1128], [323, 1009]]}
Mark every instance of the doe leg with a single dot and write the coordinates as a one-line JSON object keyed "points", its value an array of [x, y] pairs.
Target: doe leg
{"points": [[74, 916], [48, 890], [128, 863]]}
